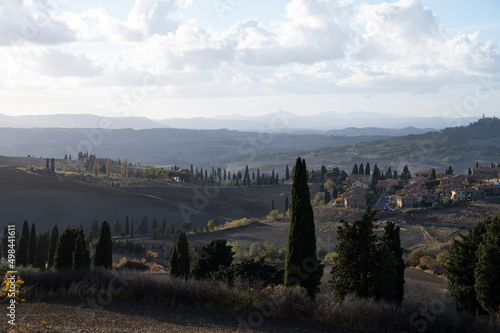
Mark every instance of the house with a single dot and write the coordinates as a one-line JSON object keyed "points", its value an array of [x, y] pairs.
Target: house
{"points": [[359, 178], [484, 173], [423, 195], [162, 247], [423, 175], [458, 194], [355, 197], [385, 185], [406, 201], [453, 180], [360, 184], [417, 181]]}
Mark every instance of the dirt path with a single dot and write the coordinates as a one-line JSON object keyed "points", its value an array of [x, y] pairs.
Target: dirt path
{"points": [[69, 316]]}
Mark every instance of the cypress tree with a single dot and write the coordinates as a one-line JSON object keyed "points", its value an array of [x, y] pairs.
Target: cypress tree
{"points": [[53, 245], [94, 230], [127, 227], [132, 229], [460, 266], [287, 173], [367, 168], [361, 169], [355, 267], [104, 248], [63, 257], [272, 204], [5, 243], [286, 203], [41, 251], [301, 264], [217, 253], [391, 270], [327, 196], [179, 261], [78, 257], [487, 271], [355, 170], [22, 248], [32, 246]]}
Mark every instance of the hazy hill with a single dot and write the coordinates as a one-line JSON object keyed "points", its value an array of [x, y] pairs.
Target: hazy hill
{"points": [[279, 122], [460, 147], [165, 146]]}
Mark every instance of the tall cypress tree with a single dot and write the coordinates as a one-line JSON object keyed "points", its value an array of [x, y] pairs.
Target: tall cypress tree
{"points": [[5, 243], [355, 268], [41, 253], [79, 253], [391, 279], [367, 168], [487, 271], [32, 246], [179, 261], [63, 257], [460, 266], [355, 169], [127, 227], [53, 245], [22, 248], [361, 169], [104, 248], [94, 230], [301, 264]]}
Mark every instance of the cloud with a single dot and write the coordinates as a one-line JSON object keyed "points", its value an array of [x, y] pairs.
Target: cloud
{"points": [[23, 22], [55, 63]]}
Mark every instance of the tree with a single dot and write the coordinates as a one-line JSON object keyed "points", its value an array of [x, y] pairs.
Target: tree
{"points": [[391, 270], [287, 173], [94, 231], [217, 253], [355, 170], [460, 268], [487, 271], [63, 256], [327, 196], [433, 174], [449, 171], [154, 224], [375, 177], [286, 203], [251, 271], [212, 224], [132, 229], [405, 175], [41, 253], [52, 165], [23, 244], [117, 227], [187, 225], [5, 243], [79, 253], [179, 261], [301, 264], [355, 266], [388, 173], [127, 227], [272, 204], [361, 169], [32, 246], [47, 165], [367, 168], [142, 228], [104, 247], [96, 167], [108, 167], [53, 245]]}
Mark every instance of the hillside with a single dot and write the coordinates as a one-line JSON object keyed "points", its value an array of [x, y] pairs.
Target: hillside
{"points": [[46, 200], [460, 147], [167, 146]]}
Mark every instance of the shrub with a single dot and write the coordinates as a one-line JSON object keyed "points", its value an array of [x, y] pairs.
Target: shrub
{"points": [[437, 268], [419, 253], [134, 265], [443, 257], [271, 252], [321, 254], [255, 250], [330, 257], [274, 214]]}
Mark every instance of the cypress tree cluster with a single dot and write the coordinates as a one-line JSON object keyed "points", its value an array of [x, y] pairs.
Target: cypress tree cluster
{"points": [[365, 265], [473, 269], [301, 264], [68, 249]]}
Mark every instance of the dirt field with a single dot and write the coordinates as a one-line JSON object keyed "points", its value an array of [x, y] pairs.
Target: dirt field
{"points": [[138, 317], [46, 200]]}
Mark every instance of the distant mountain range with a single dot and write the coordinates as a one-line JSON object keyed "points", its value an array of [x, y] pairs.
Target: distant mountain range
{"points": [[282, 122]]}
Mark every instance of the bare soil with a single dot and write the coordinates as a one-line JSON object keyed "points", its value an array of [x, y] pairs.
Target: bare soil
{"points": [[70, 316]]}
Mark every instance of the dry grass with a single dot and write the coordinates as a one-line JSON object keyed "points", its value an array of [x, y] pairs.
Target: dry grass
{"points": [[243, 299]]}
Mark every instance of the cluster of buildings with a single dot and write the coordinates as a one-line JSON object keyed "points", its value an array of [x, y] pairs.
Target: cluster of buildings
{"points": [[418, 190]]}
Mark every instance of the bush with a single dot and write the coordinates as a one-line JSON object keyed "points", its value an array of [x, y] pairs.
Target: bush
{"points": [[443, 257], [255, 250], [271, 252], [419, 253], [274, 214], [437, 268], [134, 265], [321, 254], [330, 257]]}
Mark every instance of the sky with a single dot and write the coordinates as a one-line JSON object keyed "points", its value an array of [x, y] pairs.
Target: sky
{"points": [[203, 58]]}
